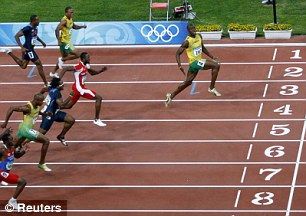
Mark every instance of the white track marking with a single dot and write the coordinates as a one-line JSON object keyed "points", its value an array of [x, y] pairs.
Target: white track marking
{"points": [[250, 152], [274, 54], [265, 91], [167, 64], [260, 110], [255, 130], [296, 169], [270, 72], [237, 199], [243, 175], [175, 163]]}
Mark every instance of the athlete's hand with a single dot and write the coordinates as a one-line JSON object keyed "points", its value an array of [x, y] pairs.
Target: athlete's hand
{"points": [[84, 26], [182, 69], [4, 124]]}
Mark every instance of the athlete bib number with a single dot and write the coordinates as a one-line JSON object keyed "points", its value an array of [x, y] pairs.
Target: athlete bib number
{"points": [[201, 64], [47, 103], [31, 55], [9, 166], [197, 51], [34, 41], [4, 174], [67, 46]]}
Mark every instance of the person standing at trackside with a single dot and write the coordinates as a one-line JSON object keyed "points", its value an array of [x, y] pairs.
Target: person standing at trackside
{"points": [[194, 48], [63, 33]]}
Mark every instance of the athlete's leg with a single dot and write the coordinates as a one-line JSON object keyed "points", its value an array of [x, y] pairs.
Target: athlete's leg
{"points": [[44, 149], [68, 123], [21, 183], [215, 67], [41, 71], [74, 54], [98, 99], [190, 77], [23, 63]]}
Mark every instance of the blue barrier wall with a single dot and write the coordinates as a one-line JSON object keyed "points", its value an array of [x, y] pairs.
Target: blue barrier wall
{"points": [[106, 33]]}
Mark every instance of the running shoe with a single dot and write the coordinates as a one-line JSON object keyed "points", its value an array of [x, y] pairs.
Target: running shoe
{"points": [[60, 63], [168, 99], [99, 123], [62, 140], [214, 92], [6, 50], [4, 183], [44, 167], [51, 74], [13, 203]]}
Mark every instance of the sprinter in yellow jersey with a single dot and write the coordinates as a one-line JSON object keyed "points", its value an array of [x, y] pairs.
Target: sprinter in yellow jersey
{"points": [[25, 131], [194, 48], [63, 33]]}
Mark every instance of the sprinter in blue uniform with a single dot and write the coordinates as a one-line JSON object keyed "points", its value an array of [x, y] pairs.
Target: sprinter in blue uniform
{"points": [[30, 33], [54, 103]]}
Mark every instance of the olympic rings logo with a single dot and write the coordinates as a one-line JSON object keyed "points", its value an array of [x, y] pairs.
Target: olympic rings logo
{"points": [[160, 32]]}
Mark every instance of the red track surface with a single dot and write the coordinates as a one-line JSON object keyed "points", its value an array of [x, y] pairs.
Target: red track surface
{"points": [[205, 153]]}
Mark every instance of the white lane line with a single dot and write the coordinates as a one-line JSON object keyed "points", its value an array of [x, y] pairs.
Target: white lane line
{"points": [[185, 100], [159, 82], [177, 141], [187, 142], [157, 163], [154, 64], [296, 169], [170, 211], [255, 130], [250, 152], [231, 45], [237, 199], [260, 110], [155, 186], [265, 90], [243, 175], [270, 73], [174, 120], [274, 54]]}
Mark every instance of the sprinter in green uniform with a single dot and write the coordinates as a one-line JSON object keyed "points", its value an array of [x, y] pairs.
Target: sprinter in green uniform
{"points": [[25, 131]]}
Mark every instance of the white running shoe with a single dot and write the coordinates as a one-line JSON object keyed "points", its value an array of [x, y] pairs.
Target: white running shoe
{"points": [[44, 167], [13, 202], [99, 123], [4, 183], [214, 92], [168, 99], [51, 74], [60, 63], [87, 66], [6, 50]]}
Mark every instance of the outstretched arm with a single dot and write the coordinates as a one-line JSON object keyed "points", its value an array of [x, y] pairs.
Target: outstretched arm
{"points": [[65, 69], [94, 72], [76, 27], [24, 109], [179, 52], [41, 41]]}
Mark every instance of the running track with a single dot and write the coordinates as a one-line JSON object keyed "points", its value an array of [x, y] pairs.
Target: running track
{"points": [[240, 154]]}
